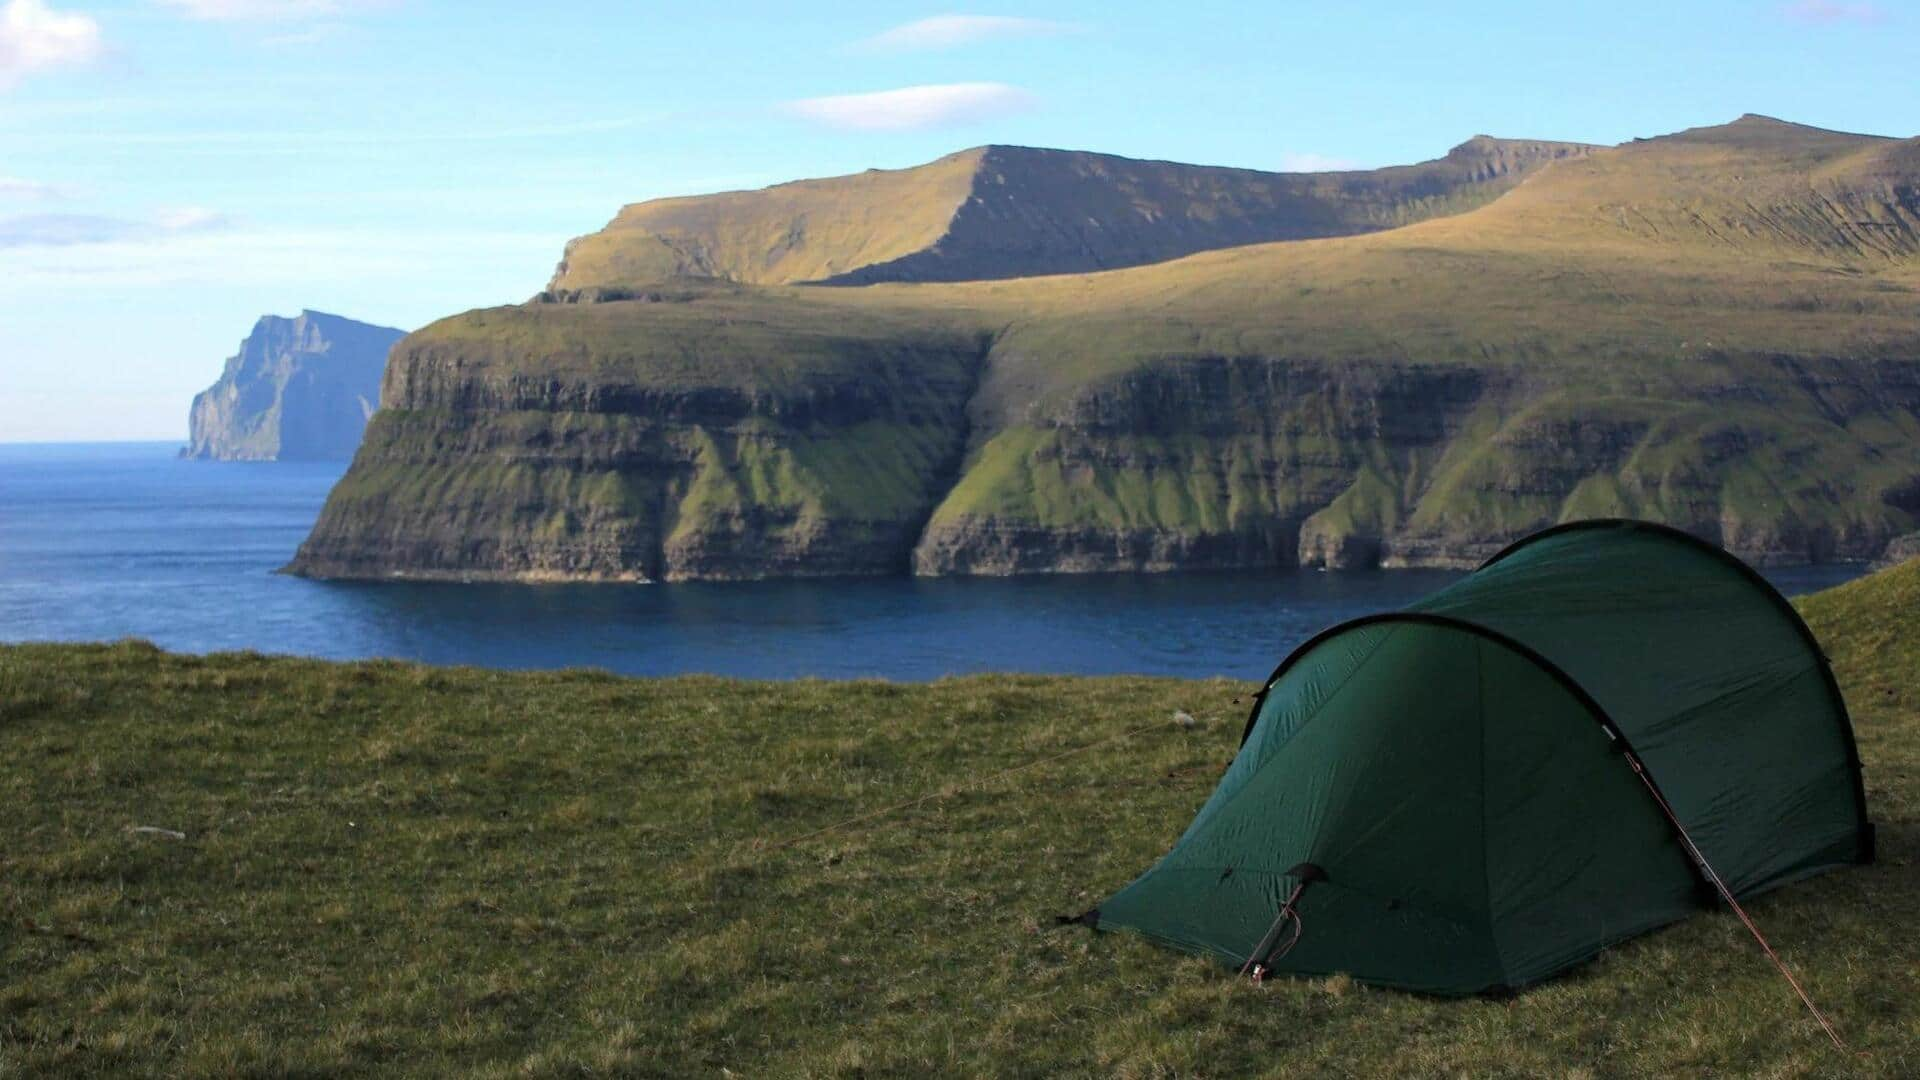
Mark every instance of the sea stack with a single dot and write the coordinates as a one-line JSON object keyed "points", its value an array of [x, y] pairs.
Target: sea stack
{"points": [[299, 389]]}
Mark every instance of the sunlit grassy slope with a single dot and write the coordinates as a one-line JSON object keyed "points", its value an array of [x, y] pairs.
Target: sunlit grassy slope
{"points": [[801, 231], [1756, 235], [1013, 211], [389, 868]]}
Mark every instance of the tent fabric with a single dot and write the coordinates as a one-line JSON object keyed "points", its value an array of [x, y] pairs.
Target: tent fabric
{"points": [[1455, 770]]}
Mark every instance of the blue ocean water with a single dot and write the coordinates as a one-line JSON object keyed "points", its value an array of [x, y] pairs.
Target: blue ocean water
{"points": [[112, 540]]}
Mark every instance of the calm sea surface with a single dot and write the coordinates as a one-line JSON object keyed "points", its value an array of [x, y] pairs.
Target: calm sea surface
{"points": [[112, 540]]}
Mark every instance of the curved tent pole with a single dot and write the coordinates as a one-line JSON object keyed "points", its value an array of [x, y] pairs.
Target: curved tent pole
{"points": [[1779, 601], [1468, 626], [1753, 577], [1452, 622]]}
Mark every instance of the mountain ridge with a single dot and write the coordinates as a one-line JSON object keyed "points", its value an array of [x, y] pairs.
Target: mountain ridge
{"points": [[1003, 211]]}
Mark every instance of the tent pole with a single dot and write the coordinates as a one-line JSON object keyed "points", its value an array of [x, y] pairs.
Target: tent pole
{"points": [[1706, 868]]}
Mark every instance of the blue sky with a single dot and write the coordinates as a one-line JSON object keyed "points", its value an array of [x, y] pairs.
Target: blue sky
{"points": [[172, 169]]}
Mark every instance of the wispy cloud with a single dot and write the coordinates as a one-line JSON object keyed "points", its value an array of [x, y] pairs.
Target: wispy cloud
{"points": [[1311, 162], [948, 31], [13, 187], [317, 34], [1833, 11], [268, 10], [307, 259], [914, 108], [73, 230], [35, 38], [250, 142]]}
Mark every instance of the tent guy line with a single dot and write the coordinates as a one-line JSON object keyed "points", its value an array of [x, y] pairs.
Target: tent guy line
{"points": [[1726, 894]]}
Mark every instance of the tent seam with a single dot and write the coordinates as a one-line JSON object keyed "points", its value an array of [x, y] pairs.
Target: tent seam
{"points": [[1328, 700], [1486, 873], [1301, 653]]}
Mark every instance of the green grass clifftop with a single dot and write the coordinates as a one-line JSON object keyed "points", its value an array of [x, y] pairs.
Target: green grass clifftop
{"points": [[1719, 329]]}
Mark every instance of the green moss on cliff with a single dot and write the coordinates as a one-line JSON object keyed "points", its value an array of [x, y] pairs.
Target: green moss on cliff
{"points": [[1052, 477], [1371, 507], [871, 475]]}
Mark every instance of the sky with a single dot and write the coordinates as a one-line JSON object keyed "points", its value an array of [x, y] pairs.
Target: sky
{"points": [[170, 170]]}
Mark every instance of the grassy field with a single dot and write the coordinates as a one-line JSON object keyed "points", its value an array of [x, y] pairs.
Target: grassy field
{"points": [[393, 868]]}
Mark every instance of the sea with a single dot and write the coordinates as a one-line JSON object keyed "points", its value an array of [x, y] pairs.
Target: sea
{"points": [[104, 541]]}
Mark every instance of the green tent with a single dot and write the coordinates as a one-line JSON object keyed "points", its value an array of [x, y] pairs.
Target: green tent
{"points": [[1447, 799]]}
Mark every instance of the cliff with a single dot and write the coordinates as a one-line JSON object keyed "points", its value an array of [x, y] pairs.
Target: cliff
{"points": [[708, 434], [298, 389], [1719, 329]]}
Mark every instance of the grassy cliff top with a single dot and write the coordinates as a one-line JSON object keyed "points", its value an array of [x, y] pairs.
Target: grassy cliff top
{"points": [[1644, 261], [391, 867], [800, 231], [699, 334], [1755, 187]]}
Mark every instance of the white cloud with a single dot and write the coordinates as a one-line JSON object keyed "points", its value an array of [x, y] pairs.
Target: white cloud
{"points": [[189, 219], [266, 10], [1311, 162], [13, 187], [1833, 11], [317, 34], [947, 31], [250, 142], [36, 38], [914, 108], [76, 230]]}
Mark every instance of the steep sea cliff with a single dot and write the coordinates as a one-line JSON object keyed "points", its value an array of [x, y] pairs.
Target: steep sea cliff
{"points": [[826, 462], [299, 389]]}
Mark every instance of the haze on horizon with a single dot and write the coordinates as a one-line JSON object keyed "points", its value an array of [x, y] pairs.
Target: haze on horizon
{"points": [[176, 168]]}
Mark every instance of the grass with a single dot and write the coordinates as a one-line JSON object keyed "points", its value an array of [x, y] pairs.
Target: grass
{"points": [[802, 231], [394, 868]]}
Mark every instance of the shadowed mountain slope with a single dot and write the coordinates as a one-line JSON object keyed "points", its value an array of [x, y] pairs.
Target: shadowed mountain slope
{"points": [[1719, 329]]}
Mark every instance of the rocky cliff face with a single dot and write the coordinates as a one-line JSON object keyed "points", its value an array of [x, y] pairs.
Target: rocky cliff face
{"points": [[477, 469], [893, 463], [298, 389], [1237, 462]]}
